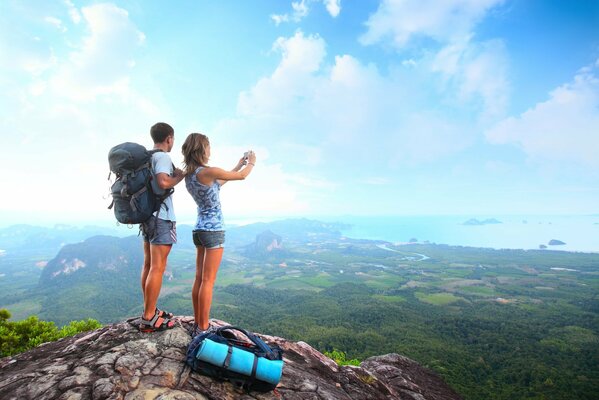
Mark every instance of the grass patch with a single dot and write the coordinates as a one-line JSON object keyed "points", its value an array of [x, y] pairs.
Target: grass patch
{"points": [[437, 299], [478, 290], [322, 280], [231, 279]]}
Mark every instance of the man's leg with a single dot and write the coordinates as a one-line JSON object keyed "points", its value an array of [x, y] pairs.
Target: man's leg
{"points": [[158, 254], [145, 269], [211, 263], [197, 283]]}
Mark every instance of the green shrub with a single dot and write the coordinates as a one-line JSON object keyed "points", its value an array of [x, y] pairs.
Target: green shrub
{"points": [[340, 358], [17, 337]]}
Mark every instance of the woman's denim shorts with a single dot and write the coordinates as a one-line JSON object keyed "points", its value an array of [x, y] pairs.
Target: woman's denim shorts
{"points": [[209, 239]]}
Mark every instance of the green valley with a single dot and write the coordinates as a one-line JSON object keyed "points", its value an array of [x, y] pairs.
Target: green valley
{"points": [[495, 324]]}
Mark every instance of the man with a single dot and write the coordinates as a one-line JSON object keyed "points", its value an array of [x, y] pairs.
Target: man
{"points": [[159, 232]]}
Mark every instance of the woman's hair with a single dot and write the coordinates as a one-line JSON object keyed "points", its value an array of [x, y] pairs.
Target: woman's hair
{"points": [[194, 152]]}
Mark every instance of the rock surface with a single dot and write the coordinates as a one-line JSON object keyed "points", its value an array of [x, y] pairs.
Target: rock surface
{"points": [[119, 362]]}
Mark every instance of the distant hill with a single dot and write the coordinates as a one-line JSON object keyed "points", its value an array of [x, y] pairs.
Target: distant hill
{"points": [[95, 257], [266, 245], [77, 270], [301, 230], [97, 278], [29, 237]]}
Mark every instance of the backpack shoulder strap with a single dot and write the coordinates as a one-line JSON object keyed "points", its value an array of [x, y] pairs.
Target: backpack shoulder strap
{"points": [[255, 339]]}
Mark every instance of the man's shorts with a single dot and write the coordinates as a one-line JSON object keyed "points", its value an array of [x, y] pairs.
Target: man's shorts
{"points": [[159, 231], [209, 239]]}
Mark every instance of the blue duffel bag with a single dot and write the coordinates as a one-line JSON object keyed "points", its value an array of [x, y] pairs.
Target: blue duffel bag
{"points": [[252, 365]]}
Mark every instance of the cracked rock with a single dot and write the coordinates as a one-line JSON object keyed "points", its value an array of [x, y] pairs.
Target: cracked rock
{"points": [[117, 362]]}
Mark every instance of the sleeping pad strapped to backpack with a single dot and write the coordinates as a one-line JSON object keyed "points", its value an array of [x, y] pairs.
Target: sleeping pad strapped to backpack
{"points": [[252, 365], [133, 198]]}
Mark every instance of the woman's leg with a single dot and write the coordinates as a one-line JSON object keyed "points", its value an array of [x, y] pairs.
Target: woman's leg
{"points": [[211, 263], [195, 291]]}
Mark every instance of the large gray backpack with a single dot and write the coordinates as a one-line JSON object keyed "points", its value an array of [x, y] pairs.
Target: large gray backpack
{"points": [[133, 198]]}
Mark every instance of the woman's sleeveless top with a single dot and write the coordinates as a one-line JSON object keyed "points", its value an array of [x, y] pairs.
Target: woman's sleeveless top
{"points": [[210, 216]]}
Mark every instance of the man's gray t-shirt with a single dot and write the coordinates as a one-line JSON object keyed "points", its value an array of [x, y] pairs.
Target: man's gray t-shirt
{"points": [[161, 163]]}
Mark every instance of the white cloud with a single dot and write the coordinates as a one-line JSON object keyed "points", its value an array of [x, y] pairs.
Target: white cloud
{"points": [[301, 56], [24, 53], [565, 127], [476, 71], [56, 22], [333, 7], [347, 109], [301, 9], [279, 19], [102, 64], [73, 109], [268, 190], [73, 11], [473, 74], [444, 21]]}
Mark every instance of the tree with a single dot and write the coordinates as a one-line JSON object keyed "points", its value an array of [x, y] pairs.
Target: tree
{"points": [[17, 337]]}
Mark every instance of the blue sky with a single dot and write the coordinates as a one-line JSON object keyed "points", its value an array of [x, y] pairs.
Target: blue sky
{"points": [[403, 107]]}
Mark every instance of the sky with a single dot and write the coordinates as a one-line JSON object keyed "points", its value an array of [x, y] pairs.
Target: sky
{"points": [[390, 107]]}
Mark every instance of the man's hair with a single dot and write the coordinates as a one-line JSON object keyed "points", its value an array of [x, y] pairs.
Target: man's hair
{"points": [[160, 131]]}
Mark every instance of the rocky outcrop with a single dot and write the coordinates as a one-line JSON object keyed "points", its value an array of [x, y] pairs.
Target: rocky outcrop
{"points": [[555, 242], [119, 362], [265, 243]]}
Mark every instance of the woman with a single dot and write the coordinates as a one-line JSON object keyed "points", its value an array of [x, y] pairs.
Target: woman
{"points": [[204, 183]]}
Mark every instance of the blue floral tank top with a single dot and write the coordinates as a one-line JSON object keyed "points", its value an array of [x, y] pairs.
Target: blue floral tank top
{"points": [[210, 216]]}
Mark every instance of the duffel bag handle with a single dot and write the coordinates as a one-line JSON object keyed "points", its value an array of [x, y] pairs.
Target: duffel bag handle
{"points": [[255, 339]]}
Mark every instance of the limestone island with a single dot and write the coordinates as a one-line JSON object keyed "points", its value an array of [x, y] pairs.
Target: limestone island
{"points": [[555, 242], [476, 222]]}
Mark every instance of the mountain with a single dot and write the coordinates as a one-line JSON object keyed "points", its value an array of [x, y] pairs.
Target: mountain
{"points": [[92, 259], [97, 278], [117, 361], [301, 230], [28, 237], [267, 245]]}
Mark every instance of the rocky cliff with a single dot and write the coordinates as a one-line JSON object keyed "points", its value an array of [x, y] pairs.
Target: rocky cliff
{"points": [[119, 362]]}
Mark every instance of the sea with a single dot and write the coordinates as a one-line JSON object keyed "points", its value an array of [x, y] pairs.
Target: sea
{"points": [[579, 233]]}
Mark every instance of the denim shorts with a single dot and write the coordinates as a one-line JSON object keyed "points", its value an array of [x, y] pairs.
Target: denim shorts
{"points": [[209, 239], [159, 231]]}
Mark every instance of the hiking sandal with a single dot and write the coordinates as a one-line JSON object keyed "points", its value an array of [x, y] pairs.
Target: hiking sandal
{"points": [[194, 330], [165, 314], [157, 323]]}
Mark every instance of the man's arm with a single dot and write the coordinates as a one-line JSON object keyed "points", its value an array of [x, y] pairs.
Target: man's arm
{"points": [[165, 181]]}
